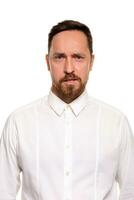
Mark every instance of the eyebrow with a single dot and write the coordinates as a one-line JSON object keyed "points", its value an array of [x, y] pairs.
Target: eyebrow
{"points": [[59, 54], [73, 54], [78, 54]]}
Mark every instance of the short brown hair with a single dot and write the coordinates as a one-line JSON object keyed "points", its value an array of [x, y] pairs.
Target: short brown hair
{"points": [[71, 25]]}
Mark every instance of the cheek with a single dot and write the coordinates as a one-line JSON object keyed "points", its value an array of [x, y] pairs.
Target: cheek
{"points": [[56, 73], [83, 72]]}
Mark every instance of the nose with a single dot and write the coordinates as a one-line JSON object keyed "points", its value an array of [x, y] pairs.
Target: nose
{"points": [[69, 67]]}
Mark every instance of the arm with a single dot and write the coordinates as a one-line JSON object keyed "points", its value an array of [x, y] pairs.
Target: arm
{"points": [[9, 168], [125, 174]]}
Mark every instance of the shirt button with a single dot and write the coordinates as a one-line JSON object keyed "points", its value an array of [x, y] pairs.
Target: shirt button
{"points": [[67, 173], [67, 146]]}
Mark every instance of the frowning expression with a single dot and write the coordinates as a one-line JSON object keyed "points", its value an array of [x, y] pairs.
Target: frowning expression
{"points": [[69, 62]]}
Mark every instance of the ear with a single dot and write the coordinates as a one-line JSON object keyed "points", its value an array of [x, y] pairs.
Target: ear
{"points": [[92, 61], [47, 61]]}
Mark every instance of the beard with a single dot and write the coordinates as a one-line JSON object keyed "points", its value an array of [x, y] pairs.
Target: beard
{"points": [[68, 92]]}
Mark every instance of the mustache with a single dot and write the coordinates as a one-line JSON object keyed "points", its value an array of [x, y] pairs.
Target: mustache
{"points": [[70, 77]]}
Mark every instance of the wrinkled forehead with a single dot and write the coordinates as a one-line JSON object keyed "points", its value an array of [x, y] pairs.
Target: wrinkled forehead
{"points": [[72, 40]]}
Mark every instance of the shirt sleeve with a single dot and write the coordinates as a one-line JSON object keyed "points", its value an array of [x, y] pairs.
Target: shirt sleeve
{"points": [[9, 168], [125, 174]]}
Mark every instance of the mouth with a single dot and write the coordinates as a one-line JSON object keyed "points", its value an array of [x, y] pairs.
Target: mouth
{"points": [[70, 81]]}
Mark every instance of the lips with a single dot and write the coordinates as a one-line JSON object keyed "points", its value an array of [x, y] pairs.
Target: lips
{"points": [[70, 79]]}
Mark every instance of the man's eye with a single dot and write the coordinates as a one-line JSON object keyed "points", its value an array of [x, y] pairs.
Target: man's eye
{"points": [[58, 57], [79, 57]]}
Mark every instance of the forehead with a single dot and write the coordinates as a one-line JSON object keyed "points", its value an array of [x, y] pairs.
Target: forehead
{"points": [[69, 40]]}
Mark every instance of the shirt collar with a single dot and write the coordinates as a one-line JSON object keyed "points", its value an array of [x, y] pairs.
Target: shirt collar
{"points": [[58, 105]]}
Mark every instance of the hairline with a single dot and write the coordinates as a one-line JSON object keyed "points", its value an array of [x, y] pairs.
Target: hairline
{"points": [[70, 29]]}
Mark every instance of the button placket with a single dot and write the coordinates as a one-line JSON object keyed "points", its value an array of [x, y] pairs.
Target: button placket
{"points": [[68, 154]]}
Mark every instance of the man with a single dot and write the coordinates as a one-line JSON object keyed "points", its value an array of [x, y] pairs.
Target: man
{"points": [[68, 145]]}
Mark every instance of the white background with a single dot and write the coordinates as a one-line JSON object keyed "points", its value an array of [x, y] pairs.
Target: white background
{"points": [[24, 26]]}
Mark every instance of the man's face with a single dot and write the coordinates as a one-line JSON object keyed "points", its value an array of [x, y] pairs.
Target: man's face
{"points": [[69, 62]]}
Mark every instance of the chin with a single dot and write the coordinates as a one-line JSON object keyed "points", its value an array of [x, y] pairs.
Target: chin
{"points": [[72, 91]]}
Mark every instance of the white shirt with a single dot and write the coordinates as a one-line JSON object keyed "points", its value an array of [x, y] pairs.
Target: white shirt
{"points": [[76, 151]]}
